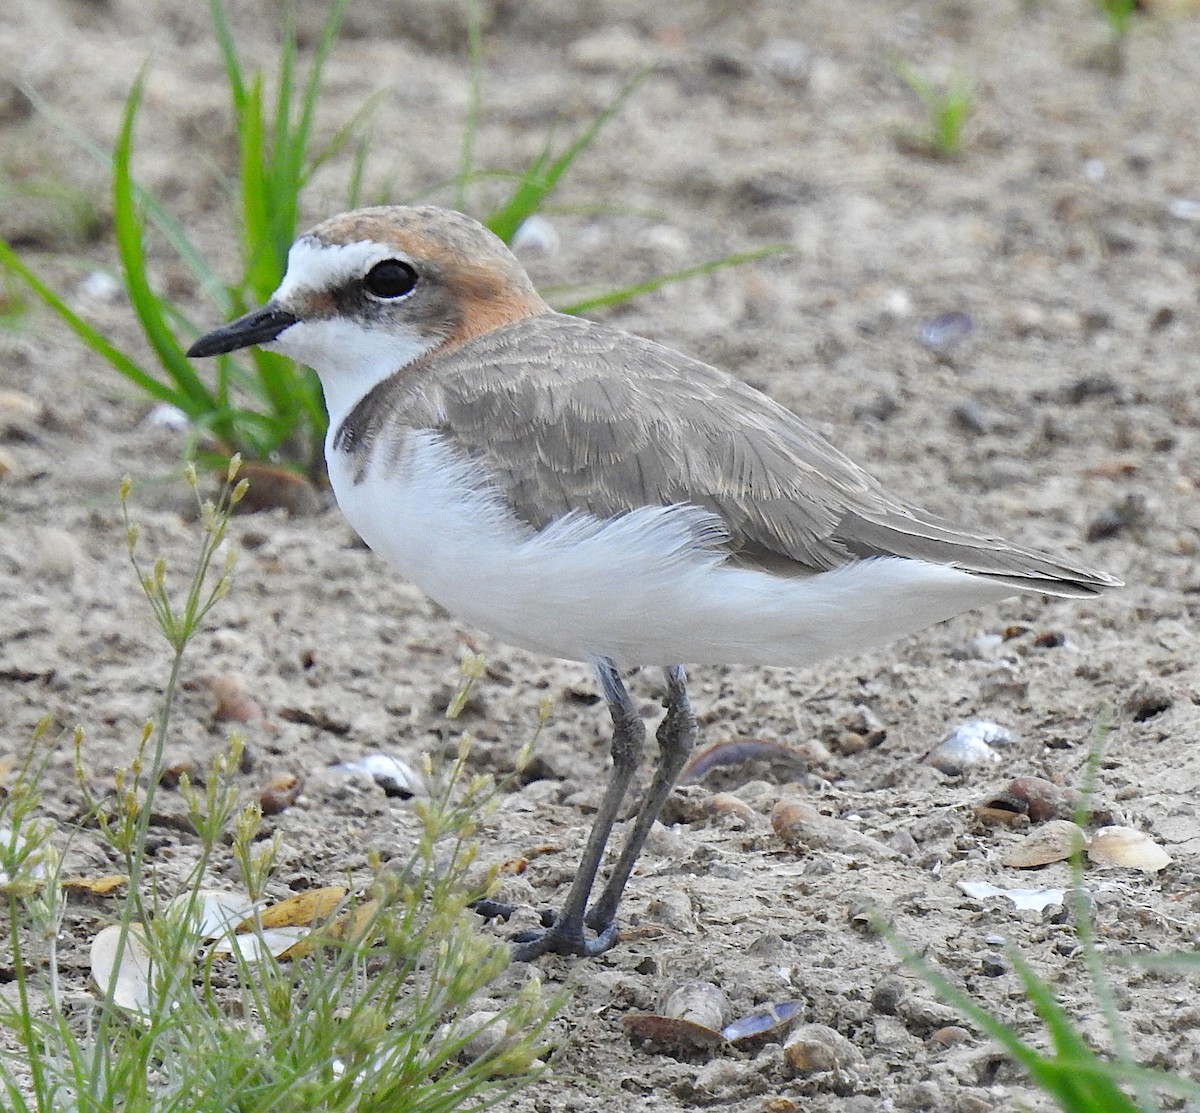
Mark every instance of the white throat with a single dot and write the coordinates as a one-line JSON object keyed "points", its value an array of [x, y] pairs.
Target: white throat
{"points": [[350, 358]]}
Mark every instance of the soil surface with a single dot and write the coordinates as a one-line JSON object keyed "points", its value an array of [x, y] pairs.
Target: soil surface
{"points": [[1008, 338]]}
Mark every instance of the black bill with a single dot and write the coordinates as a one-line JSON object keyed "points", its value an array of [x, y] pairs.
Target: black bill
{"points": [[259, 326]]}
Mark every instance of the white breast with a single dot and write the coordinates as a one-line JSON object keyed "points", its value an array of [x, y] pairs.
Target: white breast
{"points": [[647, 588]]}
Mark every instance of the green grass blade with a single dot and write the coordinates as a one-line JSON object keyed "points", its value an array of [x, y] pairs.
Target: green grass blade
{"points": [[97, 343], [229, 55], [1095, 1087], [312, 88], [1059, 1079], [358, 169], [261, 274], [625, 293], [127, 230], [540, 180], [274, 376], [283, 162], [342, 138]]}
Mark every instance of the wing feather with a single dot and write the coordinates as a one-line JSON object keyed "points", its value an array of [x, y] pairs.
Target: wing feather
{"points": [[569, 415]]}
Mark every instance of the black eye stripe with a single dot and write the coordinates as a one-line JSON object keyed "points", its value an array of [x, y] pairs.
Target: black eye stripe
{"points": [[392, 278]]}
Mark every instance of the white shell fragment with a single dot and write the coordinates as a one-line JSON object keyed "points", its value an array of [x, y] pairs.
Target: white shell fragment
{"points": [[968, 745], [535, 235], [1125, 846], [394, 775], [132, 989], [216, 912], [256, 946], [1054, 841], [1033, 900], [165, 416]]}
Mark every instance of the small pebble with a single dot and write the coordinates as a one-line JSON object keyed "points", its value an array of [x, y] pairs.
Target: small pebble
{"points": [[1149, 697], [280, 793], [814, 1047], [950, 1035], [889, 991], [535, 235], [674, 910], [166, 416], [1184, 208], [101, 286], [974, 418], [1128, 513], [1044, 799], [947, 332]]}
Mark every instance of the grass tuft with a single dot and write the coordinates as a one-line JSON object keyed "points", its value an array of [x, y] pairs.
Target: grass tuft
{"points": [[374, 1011], [948, 107]]}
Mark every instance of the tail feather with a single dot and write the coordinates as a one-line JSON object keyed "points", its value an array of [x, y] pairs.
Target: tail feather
{"points": [[928, 538]]}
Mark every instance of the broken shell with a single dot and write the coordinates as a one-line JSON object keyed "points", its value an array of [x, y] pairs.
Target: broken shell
{"points": [[698, 1001], [730, 806], [394, 775], [212, 912], [1055, 841], [766, 1022], [740, 751], [691, 1016], [969, 744], [1126, 846], [129, 983], [1034, 900], [814, 1047], [671, 1031]]}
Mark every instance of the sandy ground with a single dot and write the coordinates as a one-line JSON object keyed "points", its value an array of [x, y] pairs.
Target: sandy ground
{"points": [[1067, 233]]}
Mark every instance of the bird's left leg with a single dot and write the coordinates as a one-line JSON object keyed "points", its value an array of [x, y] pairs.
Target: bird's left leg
{"points": [[676, 740]]}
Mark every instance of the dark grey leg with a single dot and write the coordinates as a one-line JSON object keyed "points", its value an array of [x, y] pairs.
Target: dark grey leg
{"points": [[676, 740], [567, 935]]}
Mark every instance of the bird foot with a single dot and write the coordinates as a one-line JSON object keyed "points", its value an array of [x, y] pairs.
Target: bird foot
{"points": [[562, 938]]}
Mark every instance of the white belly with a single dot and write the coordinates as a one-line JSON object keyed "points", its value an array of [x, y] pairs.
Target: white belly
{"points": [[647, 588]]}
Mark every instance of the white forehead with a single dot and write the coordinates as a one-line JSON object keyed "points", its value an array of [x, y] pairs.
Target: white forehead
{"points": [[314, 265]]}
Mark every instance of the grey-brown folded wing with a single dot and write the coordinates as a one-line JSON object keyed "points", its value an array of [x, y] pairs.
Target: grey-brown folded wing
{"points": [[570, 415]]}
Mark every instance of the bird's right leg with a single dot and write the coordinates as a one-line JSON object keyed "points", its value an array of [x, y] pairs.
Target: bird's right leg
{"points": [[567, 935]]}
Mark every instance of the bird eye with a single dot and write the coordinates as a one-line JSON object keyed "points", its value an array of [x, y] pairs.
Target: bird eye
{"points": [[390, 279]]}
